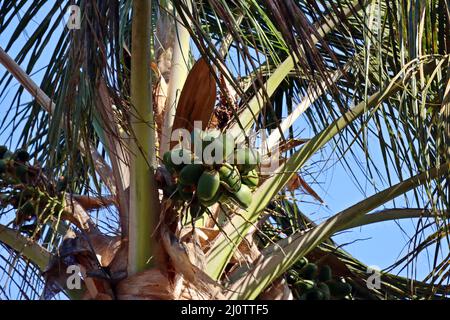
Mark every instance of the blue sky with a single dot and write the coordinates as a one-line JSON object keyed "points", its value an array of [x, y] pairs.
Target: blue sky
{"points": [[378, 244]]}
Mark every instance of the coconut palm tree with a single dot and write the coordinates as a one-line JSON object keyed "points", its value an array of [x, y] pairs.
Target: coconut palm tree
{"points": [[86, 185]]}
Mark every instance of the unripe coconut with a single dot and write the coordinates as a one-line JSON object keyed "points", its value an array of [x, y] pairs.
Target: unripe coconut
{"points": [[190, 174], [309, 271], [22, 155], [247, 159], [176, 159], [230, 177], [324, 289], [339, 289], [208, 185], [305, 285], [325, 273], [243, 197], [3, 151], [314, 294], [251, 179], [300, 263], [214, 200]]}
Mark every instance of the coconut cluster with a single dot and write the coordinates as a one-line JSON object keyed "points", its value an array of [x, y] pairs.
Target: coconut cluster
{"points": [[15, 164], [214, 172], [15, 170], [19, 189], [314, 283]]}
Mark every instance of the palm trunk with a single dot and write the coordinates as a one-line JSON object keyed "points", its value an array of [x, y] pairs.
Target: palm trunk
{"points": [[144, 204]]}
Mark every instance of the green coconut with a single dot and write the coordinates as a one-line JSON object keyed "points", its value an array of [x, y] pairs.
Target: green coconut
{"points": [[3, 151], [309, 271], [243, 197], [176, 159], [247, 160], [323, 287], [191, 173], [339, 289], [304, 285], [22, 155], [207, 203], [325, 273], [314, 294], [230, 177], [300, 263], [251, 179], [208, 185]]}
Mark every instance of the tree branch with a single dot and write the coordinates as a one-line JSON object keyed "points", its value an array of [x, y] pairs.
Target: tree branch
{"points": [[101, 167], [280, 256], [395, 214], [27, 248]]}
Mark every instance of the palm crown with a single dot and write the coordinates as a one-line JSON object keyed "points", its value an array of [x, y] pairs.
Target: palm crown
{"points": [[86, 179]]}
